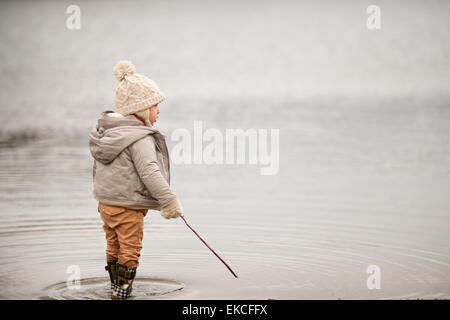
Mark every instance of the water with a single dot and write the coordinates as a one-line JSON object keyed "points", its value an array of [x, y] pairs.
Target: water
{"points": [[99, 289], [364, 149]]}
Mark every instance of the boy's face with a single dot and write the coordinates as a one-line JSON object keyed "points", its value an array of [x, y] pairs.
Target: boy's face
{"points": [[154, 111]]}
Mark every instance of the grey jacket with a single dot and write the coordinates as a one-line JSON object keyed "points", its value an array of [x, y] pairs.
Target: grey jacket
{"points": [[131, 163]]}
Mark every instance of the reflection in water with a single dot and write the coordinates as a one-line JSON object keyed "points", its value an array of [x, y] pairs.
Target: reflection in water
{"points": [[99, 289]]}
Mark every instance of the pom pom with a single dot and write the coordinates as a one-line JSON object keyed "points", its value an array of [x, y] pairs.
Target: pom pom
{"points": [[123, 68]]}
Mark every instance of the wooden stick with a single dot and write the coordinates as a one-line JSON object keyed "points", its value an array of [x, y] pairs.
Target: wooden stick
{"points": [[182, 217]]}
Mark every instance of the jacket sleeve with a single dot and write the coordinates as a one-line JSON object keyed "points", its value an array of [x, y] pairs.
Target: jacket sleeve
{"points": [[94, 167], [143, 154]]}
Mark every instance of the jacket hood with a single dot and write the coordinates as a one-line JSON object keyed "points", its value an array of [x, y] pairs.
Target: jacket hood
{"points": [[113, 133]]}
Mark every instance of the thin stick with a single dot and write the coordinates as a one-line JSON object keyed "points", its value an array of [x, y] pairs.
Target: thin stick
{"points": [[182, 217]]}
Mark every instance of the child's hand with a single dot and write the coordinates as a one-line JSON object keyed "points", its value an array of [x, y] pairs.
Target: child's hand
{"points": [[172, 209]]}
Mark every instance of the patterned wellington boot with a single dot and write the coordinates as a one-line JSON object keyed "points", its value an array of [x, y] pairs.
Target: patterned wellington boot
{"points": [[111, 268], [124, 282]]}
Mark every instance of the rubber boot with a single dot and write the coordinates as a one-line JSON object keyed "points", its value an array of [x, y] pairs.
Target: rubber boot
{"points": [[111, 268], [123, 285]]}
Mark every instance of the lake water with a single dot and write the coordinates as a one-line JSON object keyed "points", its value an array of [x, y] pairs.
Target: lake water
{"points": [[364, 148]]}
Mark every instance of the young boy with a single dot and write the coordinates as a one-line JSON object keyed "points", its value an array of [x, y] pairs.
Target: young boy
{"points": [[131, 173]]}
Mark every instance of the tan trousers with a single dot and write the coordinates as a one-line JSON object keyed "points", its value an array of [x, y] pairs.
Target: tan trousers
{"points": [[124, 231]]}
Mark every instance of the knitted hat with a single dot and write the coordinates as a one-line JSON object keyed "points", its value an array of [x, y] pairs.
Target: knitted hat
{"points": [[134, 92]]}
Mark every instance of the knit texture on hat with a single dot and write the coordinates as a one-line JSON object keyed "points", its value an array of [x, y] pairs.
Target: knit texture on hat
{"points": [[134, 92]]}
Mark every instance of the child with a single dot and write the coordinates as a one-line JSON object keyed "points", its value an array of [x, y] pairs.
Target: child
{"points": [[131, 173]]}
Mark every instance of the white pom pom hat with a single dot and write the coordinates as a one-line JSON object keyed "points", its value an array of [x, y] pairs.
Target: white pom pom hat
{"points": [[134, 92]]}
